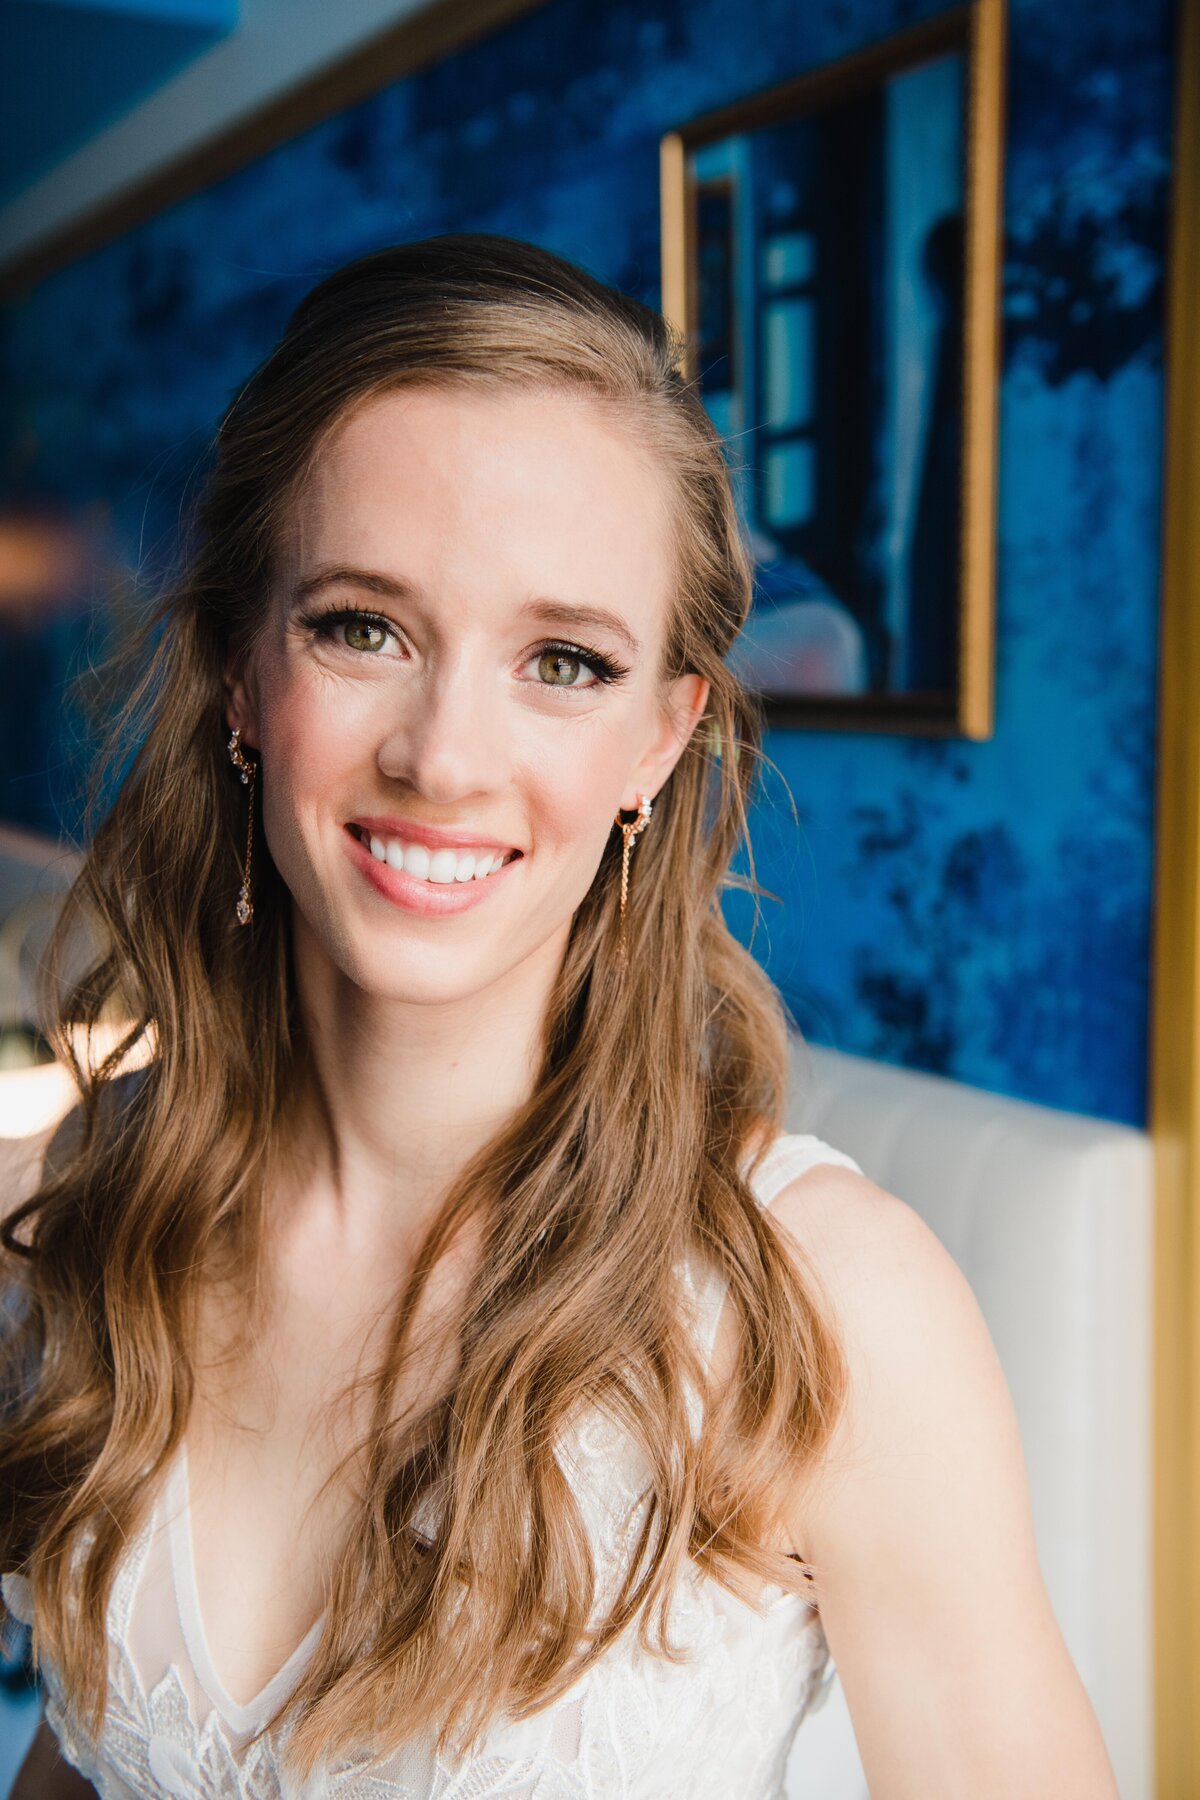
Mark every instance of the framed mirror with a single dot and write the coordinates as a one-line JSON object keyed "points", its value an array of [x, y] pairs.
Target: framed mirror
{"points": [[831, 255]]}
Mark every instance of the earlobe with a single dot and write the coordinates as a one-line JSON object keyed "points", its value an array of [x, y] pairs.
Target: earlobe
{"points": [[236, 720], [239, 714]]}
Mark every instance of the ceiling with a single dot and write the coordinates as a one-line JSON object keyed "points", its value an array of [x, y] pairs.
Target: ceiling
{"points": [[70, 68]]}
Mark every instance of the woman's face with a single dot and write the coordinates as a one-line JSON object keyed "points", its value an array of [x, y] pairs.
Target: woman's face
{"points": [[476, 699]]}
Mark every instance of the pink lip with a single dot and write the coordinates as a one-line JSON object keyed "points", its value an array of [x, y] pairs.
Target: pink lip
{"points": [[430, 898], [432, 836]]}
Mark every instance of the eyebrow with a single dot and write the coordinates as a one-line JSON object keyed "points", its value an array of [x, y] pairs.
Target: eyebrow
{"points": [[564, 613]]}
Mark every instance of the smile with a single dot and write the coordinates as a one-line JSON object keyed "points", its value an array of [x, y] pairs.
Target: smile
{"points": [[434, 865], [423, 881]]}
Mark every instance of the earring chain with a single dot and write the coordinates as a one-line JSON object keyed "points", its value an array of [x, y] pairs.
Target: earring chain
{"points": [[629, 833], [247, 770]]}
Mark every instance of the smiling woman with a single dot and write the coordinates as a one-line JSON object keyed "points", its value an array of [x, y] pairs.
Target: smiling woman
{"points": [[412, 1390]]}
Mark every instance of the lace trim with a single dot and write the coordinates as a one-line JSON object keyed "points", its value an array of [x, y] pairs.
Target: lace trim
{"points": [[632, 1718]]}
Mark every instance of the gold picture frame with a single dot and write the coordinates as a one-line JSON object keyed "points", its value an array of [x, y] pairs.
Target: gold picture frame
{"points": [[1175, 994], [961, 703]]}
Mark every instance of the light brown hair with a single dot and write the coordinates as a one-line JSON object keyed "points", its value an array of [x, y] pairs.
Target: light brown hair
{"points": [[654, 1080]]}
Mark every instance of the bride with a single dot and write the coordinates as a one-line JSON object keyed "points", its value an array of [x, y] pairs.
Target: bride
{"points": [[436, 1369]]}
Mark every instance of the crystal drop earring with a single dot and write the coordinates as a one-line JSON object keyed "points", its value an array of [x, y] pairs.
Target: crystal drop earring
{"points": [[244, 908]]}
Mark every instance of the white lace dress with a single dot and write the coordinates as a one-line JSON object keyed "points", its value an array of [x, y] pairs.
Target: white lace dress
{"points": [[635, 1727]]}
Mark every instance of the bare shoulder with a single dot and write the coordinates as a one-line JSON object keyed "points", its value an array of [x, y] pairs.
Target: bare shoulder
{"points": [[919, 1524], [917, 1346], [851, 1230], [880, 1263]]}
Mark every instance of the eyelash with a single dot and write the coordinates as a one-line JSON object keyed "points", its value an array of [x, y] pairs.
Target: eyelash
{"points": [[606, 668]]}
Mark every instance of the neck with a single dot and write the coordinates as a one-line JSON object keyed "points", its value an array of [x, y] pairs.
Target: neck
{"points": [[398, 1095]]}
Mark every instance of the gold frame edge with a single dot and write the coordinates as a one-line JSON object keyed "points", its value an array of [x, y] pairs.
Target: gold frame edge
{"points": [[1175, 996]]}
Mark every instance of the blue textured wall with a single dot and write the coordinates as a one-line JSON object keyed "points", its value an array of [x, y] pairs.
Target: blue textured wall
{"points": [[981, 910]]}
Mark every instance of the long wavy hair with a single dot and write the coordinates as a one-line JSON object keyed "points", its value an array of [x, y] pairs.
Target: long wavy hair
{"points": [[630, 1154]]}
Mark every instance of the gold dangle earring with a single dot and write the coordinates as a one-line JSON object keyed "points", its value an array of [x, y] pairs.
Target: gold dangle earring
{"points": [[248, 769], [629, 832]]}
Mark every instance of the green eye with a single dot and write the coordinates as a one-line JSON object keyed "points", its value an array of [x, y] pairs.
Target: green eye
{"points": [[370, 630], [369, 634], [555, 657], [559, 663], [552, 662]]}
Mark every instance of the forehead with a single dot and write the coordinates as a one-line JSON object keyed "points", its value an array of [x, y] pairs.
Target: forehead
{"points": [[499, 491]]}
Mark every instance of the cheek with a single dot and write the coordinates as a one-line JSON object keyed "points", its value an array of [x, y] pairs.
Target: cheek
{"points": [[320, 737], [304, 705], [573, 795], [308, 765], [313, 732]]}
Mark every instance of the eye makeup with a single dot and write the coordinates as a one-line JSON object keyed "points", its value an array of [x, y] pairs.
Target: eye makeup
{"points": [[324, 622]]}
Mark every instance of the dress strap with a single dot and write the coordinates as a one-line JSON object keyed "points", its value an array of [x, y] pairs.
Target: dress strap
{"points": [[792, 1154]]}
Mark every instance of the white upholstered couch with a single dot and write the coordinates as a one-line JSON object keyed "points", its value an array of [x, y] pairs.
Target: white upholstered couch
{"points": [[1049, 1215]]}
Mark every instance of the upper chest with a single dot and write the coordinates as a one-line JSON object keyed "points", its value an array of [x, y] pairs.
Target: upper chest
{"points": [[274, 1440], [274, 1445]]}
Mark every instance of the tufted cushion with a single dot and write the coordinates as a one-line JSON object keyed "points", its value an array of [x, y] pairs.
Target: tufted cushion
{"points": [[1049, 1215]]}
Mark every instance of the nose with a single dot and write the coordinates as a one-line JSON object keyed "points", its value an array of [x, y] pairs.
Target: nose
{"points": [[448, 740]]}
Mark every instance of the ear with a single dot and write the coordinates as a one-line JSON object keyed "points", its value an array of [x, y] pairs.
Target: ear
{"points": [[687, 696], [241, 705]]}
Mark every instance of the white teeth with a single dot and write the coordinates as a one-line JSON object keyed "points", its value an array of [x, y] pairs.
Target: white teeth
{"points": [[443, 866], [412, 858]]}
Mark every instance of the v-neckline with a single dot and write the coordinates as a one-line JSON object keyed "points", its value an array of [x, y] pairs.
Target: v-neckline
{"points": [[255, 1711]]}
